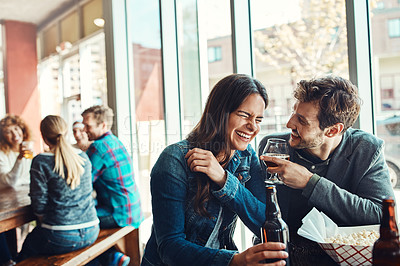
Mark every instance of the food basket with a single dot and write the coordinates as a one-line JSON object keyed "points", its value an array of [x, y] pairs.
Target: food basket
{"points": [[318, 227]]}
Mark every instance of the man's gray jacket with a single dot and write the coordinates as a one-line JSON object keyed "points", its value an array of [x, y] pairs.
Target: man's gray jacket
{"points": [[356, 181]]}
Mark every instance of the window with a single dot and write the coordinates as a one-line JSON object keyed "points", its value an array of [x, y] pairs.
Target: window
{"points": [[293, 44], [387, 94], [394, 27], [70, 28], [386, 86], [145, 52], [90, 12], [76, 80], [218, 38], [214, 54]]}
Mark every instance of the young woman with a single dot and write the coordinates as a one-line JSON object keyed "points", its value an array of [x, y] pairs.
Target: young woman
{"points": [[60, 191], [14, 168], [202, 184]]}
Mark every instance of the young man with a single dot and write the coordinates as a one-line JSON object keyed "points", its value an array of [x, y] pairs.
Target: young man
{"points": [[118, 201], [339, 170]]}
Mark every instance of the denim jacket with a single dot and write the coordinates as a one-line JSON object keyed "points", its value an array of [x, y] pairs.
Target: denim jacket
{"points": [[179, 234]]}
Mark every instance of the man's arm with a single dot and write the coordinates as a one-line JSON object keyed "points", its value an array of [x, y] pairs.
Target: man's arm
{"points": [[96, 158], [351, 195], [363, 205]]}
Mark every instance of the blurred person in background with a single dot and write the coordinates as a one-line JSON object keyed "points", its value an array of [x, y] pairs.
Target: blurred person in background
{"points": [[82, 140], [118, 199], [60, 191], [14, 167]]}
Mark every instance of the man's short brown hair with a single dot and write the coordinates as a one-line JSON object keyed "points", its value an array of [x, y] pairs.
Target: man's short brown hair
{"points": [[336, 97], [101, 114]]}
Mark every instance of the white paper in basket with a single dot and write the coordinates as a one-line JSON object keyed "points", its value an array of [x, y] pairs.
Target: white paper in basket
{"points": [[317, 226]]}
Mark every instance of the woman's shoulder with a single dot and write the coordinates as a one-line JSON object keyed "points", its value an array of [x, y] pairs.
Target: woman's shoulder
{"points": [[178, 148], [10, 155], [43, 159], [172, 156]]}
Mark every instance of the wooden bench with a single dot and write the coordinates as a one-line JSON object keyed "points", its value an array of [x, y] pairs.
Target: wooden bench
{"points": [[126, 238]]}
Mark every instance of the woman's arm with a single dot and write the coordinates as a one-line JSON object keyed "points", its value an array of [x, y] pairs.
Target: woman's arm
{"points": [[169, 189], [38, 190], [248, 199], [10, 172]]}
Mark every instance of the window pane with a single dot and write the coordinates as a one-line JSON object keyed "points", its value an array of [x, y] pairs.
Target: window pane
{"points": [[72, 107], [48, 72], [93, 71], [217, 21], [91, 11], [145, 45], [70, 28], [394, 27], [385, 24], [50, 40], [301, 42], [71, 76], [189, 68]]}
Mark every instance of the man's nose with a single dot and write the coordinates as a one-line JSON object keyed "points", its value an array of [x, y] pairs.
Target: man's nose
{"points": [[289, 123]]}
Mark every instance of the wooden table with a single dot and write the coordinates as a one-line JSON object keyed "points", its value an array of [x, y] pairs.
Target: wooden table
{"points": [[15, 208]]}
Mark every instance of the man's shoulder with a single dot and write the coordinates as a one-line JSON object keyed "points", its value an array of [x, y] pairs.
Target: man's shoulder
{"points": [[106, 142], [361, 137]]}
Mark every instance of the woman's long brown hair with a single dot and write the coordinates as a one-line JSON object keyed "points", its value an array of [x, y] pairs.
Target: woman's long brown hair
{"points": [[211, 131]]}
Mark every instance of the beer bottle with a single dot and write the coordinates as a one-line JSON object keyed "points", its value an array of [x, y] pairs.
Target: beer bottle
{"points": [[274, 228], [386, 250]]}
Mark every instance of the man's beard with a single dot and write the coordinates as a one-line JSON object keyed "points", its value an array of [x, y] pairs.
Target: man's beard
{"points": [[310, 144]]}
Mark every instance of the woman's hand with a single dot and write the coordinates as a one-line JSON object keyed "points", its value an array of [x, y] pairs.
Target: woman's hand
{"points": [[204, 161], [257, 253], [26, 147]]}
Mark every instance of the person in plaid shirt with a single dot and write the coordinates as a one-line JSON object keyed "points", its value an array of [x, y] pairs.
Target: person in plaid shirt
{"points": [[118, 200]]}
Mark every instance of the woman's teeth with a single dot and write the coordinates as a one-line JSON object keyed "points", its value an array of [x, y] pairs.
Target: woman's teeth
{"points": [[243, 135]]}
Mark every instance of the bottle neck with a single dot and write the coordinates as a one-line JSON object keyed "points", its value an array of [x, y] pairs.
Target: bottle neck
{"points": [[388, 228], [271, 204]]}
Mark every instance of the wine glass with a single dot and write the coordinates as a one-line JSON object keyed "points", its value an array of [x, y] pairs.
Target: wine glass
{"points": [[276, 148]]}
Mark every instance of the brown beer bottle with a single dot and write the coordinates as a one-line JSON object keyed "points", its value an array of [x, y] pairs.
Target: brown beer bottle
{"points": [[386, 250], [274, 228]]}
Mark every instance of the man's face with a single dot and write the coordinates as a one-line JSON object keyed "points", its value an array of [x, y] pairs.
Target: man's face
{"points": [[93, 130], [304, 124]]}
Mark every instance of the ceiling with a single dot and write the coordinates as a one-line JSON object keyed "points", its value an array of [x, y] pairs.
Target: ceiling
{"points": [[33, 11]]}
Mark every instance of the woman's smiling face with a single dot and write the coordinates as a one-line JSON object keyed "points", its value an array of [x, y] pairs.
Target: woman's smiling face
{"points": [[14, 136], [244, 123]]}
